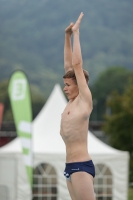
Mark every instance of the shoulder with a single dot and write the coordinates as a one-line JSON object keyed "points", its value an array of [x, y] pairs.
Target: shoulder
{"points": [[85, 101], [85, 94]]}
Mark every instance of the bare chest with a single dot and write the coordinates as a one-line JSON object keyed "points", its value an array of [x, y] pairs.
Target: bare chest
{"points": [[74, 113], [74, 121]]}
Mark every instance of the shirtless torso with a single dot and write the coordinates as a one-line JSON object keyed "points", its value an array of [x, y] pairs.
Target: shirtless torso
{"points": [[74, 130]]}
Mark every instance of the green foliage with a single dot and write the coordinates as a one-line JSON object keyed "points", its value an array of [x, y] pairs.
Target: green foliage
{"points": [[130, 194], [4, 98], [119, 123], [32, 37], [114, 78], [37, 100]]}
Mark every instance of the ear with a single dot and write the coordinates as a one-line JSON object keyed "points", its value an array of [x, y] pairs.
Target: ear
{"points": [[75, 81]]}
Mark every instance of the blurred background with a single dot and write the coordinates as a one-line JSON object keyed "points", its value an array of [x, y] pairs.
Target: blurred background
{"points": [[32, 39]]}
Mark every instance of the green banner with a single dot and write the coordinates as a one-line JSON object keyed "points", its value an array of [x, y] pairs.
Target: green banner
{"points": [[20, 99]]}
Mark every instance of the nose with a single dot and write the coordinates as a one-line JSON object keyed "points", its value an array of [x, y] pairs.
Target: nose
{"points": [[65, 88]]}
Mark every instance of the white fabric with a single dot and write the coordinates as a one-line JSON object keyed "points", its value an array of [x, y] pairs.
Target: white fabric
{"points": [[49, 147]]}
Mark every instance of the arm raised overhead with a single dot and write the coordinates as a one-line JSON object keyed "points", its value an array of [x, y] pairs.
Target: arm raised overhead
{"points": [[68, 49], [77, 63]]}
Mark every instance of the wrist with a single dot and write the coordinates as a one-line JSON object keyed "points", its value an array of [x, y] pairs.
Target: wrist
{"points": [[68, 35], [76, 31]]}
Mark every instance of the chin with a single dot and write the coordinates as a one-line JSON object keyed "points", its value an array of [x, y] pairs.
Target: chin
{"points": [[68, 97]]}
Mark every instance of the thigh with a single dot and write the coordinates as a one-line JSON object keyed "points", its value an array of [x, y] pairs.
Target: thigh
{"points": [[82, 184], [70, 189]]}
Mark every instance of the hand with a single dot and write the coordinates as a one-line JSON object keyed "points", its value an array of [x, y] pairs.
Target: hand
{"points": [[68, 30], [77, 24]]}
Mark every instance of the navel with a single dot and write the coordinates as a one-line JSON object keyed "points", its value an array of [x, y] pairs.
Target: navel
{"points": [[68, 112]]}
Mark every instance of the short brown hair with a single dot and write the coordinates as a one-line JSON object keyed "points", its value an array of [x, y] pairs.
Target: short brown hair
{"points": [[71, 74]]}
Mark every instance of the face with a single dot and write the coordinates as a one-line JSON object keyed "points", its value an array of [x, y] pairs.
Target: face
{"points": [[70, 88]]}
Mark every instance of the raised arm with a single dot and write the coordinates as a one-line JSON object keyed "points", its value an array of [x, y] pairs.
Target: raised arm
{"points": [[68, 49], [77, 63]]}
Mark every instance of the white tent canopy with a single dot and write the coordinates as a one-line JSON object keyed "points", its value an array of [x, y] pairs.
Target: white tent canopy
{"points": [[48, 147]]}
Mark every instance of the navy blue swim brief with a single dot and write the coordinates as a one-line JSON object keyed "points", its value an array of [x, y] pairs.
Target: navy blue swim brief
{"points": [[86, 166]]}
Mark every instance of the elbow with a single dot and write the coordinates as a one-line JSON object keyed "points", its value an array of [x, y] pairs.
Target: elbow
{"points": [[91, 107], [77, 63]]}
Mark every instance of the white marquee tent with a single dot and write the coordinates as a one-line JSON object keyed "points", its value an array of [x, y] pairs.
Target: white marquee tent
{"points": [[49, 148]]}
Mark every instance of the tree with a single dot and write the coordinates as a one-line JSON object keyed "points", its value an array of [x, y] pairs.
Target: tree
{"points": [[37, 100], [4, 98], [114, 78], [119, 123]]}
